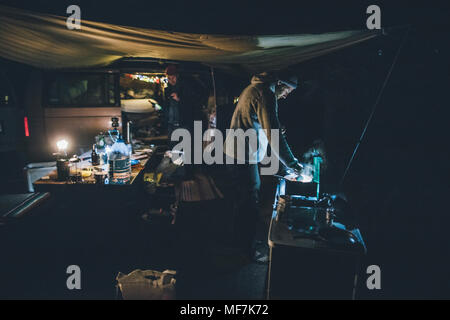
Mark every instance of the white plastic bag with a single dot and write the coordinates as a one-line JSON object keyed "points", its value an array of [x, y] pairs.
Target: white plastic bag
{"points": [[147, 285]]}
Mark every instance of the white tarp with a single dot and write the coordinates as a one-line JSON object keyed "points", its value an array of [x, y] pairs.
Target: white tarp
{"points": [[44, 41]]}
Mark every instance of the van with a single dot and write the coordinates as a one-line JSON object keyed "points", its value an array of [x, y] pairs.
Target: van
{"points": [[74, 105], [78, 104]]}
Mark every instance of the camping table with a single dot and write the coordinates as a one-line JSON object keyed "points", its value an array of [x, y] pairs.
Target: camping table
{"points": [[95, 203]]}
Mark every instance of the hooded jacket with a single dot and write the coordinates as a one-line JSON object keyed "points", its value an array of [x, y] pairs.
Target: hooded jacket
{"points": [[257, 109]]}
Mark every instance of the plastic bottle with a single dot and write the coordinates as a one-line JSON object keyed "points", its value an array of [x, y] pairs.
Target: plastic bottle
{"points": [[119, 163]]}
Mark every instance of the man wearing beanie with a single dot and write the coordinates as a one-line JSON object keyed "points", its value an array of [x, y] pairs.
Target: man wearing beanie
{"points": [[257, 109]]}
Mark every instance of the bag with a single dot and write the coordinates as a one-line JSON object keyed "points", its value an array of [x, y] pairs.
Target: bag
{"points": [[147, 285]]}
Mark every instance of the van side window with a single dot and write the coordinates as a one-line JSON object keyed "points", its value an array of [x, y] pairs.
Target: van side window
{"points": [[81, 90]]}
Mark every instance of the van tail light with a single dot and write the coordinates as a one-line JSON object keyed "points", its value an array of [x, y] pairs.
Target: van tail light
{"points": [[25, 124]]}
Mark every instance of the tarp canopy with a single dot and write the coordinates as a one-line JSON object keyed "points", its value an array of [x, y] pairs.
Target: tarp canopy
{"points": [[44, 41]]}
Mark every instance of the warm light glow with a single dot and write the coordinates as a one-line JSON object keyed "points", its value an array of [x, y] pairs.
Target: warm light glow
{"points": [[62, 145], [305, 178]]}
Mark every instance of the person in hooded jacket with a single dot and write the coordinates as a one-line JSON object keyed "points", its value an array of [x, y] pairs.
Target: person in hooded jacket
{"points": [[257, 108]]}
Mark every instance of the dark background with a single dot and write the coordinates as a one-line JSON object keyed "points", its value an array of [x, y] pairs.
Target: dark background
{"points": [[248, 17], [399, 179]]}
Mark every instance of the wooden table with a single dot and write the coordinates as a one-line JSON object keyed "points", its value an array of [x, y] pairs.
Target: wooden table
{"points": [[52, 184]]}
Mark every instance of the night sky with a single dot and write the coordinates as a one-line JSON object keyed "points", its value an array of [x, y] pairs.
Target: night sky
{"points": [[247, 17]]}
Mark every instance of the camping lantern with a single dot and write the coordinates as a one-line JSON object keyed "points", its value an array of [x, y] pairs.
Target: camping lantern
{"points": [[62, 164]]}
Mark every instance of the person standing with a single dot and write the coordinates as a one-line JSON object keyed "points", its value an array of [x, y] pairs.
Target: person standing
{"points": [[257, 109], [182, 106], [178, 107]]}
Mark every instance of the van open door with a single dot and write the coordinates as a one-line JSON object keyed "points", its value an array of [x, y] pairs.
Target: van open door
{"points": [[12, 137]]}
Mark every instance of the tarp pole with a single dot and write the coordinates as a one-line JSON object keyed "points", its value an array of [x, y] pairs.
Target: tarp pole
{"points": [[374, 107], [213, 79]]}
